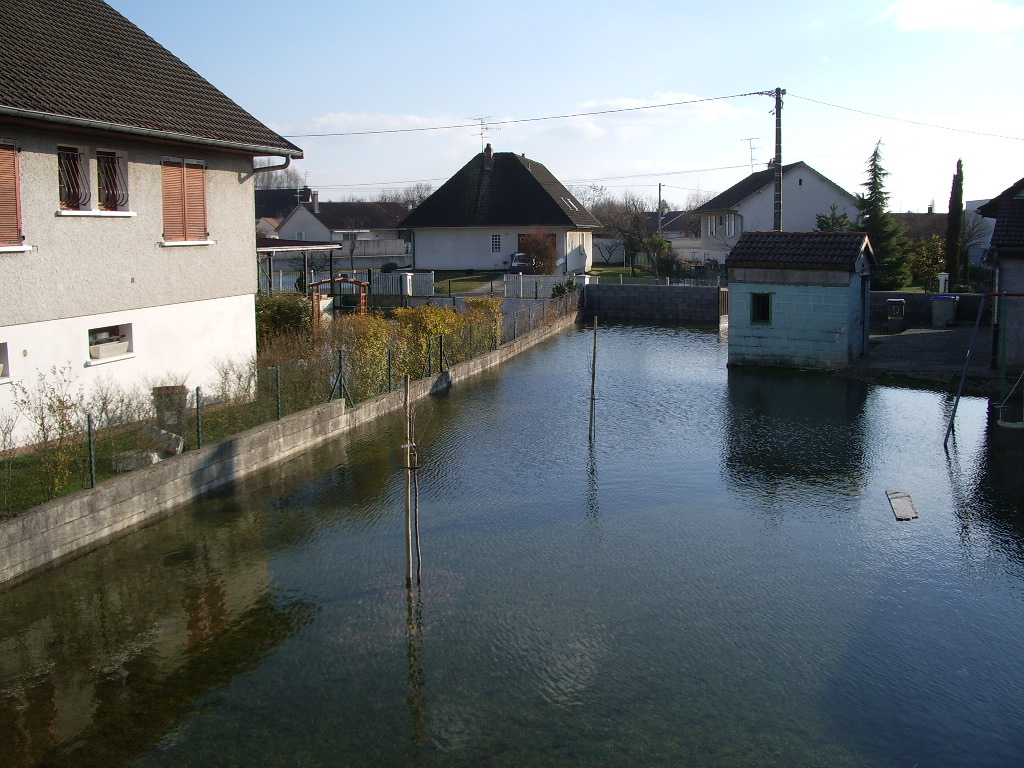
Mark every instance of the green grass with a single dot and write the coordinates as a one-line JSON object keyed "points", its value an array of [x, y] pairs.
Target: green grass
{"points": [[459, 282]]}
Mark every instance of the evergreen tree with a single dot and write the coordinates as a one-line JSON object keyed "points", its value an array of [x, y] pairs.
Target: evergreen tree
{"points": [[887, 236], [954, 223], [833, 221]]}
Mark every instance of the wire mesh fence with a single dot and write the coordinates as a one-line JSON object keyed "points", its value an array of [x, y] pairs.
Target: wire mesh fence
{"points": [[113, 432]]}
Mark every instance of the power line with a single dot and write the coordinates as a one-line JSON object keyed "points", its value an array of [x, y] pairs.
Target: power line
{"points": [[910, 122], [522, 119]]}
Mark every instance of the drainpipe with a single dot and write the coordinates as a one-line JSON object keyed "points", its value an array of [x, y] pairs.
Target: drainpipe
{"points": [[266, 168]]}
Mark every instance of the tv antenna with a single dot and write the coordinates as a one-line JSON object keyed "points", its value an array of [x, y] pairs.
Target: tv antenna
{"points": [[484, 128], [750, 141]]}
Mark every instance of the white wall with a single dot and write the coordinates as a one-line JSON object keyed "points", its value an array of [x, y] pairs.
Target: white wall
{"points": [[448, 248], [172, 344], [302, 222]]}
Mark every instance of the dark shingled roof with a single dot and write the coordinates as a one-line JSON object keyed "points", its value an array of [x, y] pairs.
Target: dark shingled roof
{"points": [[82, 60], [278, 203], [516, 192], [737, 193], [1008, 211], [799, 250], [348, 216]]}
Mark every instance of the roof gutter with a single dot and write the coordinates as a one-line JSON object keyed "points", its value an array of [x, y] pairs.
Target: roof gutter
{"points": [[81, 122]]}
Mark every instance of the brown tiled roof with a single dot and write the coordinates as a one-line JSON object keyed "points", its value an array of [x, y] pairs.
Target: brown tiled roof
{"points": [[516, 192], [354, 216], [81, 61], [799, 250], [1008, 211]]}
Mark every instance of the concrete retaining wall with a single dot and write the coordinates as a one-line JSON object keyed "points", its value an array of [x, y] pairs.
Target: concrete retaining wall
{"points": [[658, 303], [49, 534]]}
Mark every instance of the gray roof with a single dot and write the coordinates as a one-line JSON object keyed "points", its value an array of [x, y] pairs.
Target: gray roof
{"points": [[737, 193], [514, 192], [799, 250], [83, 63], [1008, 211], [353, 216]]}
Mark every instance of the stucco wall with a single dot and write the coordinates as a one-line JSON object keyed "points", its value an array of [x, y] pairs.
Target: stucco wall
{"points": [[82, 265], [470, 248], [810, 325]]}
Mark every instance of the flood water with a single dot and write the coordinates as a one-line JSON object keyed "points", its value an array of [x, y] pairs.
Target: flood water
{"points": [[719, 581]]}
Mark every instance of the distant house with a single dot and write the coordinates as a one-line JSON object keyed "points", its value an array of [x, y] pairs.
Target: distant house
{"points": [[749, 206], [278, 203], [479, 217], [799, 299], [1007, 252], [367, 233], [126, 205]]}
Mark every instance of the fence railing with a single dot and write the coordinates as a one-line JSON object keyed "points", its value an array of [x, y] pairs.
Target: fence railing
{"points": [[99, 440]]}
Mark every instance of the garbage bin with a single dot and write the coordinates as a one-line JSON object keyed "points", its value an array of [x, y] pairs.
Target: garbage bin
{"points": [[896, 315], [944, 311]]}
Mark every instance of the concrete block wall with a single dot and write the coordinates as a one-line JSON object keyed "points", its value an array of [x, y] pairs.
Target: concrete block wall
{"points": [[656, 303], [809, 326], [51, 533]]}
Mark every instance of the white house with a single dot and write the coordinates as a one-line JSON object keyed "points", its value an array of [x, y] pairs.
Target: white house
{"points": [[1007, 252], [799, 299], [479, 217], [126, 205], [749, 206]]}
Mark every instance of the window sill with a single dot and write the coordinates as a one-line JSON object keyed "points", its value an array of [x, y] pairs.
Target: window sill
{"points": [[102, 214], [178, 243], [15, 248], [102, 360], [7, 380]]}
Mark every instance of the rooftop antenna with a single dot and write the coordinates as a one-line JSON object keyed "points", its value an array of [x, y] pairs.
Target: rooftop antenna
{"points": [[751, 141], [484, 128]]}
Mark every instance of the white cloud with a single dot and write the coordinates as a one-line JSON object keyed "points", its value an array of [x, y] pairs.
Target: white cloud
{"points": [[967, 15]]}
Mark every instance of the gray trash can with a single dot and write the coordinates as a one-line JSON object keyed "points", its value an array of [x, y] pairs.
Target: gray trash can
{"points": [[944, 311], [896, 315]]}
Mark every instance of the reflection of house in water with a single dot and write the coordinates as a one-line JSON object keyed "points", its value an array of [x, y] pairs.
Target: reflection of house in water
{"points": [[787, 429], [77, 662]]}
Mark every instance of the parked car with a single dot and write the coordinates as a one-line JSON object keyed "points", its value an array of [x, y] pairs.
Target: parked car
{"points": [[520, 263]]}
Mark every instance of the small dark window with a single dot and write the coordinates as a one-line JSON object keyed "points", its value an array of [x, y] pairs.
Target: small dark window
{"points": [[761, 308]]}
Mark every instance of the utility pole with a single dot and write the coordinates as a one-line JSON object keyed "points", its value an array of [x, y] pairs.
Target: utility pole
{"points": [[778, 93], [659, 209]]}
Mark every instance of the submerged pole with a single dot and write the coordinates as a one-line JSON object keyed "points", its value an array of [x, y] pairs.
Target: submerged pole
{"points": [[963, 374], [408, 486], [593, 383]]}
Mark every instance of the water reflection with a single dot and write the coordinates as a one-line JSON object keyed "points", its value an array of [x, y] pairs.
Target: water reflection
{"points": [[99, 661], [788, 431]]}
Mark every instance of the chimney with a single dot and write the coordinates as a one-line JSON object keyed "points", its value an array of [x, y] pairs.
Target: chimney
{"points": [[488, 158], [316, 202], [931, 208]]}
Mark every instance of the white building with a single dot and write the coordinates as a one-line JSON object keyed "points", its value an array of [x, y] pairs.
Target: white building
{"points": [[749, 206], [126, 206], [481, 215]]}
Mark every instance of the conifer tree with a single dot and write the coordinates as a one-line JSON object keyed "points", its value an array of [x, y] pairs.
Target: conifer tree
{"points": [[886, 234], [954, 224]]}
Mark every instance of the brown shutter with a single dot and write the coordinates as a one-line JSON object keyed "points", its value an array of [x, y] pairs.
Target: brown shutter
{"points": [[195, 201], [174, 200], [10, 204]]}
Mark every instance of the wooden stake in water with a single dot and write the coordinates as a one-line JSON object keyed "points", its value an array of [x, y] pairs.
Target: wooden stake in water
{"points": [[593, 383], [408, 486]]}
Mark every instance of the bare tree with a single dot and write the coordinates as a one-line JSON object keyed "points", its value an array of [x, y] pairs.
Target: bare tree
{"points": [[287, 178], [410, 197]]}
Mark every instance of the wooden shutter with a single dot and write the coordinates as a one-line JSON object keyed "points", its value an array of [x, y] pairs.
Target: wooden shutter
{"points": [[174, 199], [195, 201], [10, 203]]}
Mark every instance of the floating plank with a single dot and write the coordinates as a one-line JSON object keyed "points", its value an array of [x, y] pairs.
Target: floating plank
{"points": [[902, 505]]}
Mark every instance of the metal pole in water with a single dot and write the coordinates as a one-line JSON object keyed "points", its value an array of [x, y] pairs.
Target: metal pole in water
{"points": [[408, 486], [593, 383]]}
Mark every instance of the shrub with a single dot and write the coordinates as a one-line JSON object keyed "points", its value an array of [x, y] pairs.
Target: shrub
{"points": [[282, 313]]}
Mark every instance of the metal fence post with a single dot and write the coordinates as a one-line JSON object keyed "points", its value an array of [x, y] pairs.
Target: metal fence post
{"points": [[92, 450], [389, 368], [199, 418], [277, 377], [440, 352]]}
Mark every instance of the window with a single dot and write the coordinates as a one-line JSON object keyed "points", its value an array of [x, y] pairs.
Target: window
{"points": [[730, 225], [111, 341], [711, 226], [10, 200], [71, 179], [112, 181], [5, 372], [761, 308], [184, 197], [495, 243]]}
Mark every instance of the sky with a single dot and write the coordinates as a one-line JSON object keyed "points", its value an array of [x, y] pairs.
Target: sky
{"points": [[623, 95]]}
